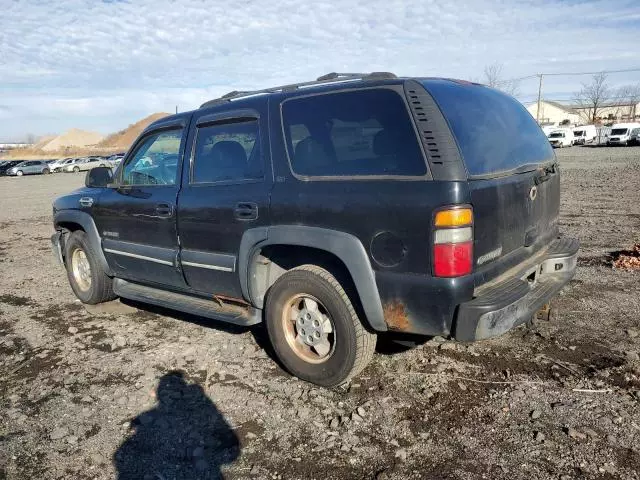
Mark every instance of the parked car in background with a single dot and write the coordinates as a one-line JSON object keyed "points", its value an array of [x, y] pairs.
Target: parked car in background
{"points": [[561, 138], [584, 135], [115, 160], [634, 138], [30, 167], [621, 133], [7, 164], [59, 164], [84, 164]]}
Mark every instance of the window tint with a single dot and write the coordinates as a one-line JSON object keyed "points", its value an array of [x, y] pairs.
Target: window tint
{"points": [[366, 132], [494, 131], [155, 161], [227, 152]]}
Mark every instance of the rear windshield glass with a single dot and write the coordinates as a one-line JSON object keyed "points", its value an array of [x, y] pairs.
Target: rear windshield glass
{"points": [[494, 131], [619, 131], [357, 133], [578, 133], [557, 135]]}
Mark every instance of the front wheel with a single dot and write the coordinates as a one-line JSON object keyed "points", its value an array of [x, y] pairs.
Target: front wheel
{"points": [[86, 276], [19, 173], [314, 329], [76, 169]]}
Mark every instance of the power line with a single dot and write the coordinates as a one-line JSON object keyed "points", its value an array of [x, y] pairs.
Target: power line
{"points": [[557, 74], [593, 73]]}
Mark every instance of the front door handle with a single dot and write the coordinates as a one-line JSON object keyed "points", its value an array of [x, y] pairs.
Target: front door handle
{"points": [[164, 210], [246, 211]]}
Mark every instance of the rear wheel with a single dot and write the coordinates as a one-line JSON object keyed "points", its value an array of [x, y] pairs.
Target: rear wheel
{"points": [[46, 171], [86, 277], [314, 328]]}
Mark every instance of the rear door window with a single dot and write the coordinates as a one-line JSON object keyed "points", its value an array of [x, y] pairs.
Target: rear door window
{"points": [[494, 132], [227, 152], [356, 133]]}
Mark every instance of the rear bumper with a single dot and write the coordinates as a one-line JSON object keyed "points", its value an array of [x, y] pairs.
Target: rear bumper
{"points": [[502, 305]]}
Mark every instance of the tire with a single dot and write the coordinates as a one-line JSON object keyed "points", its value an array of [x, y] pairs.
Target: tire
{"points": [[90, 287], [19, 173], [76, 169], [46, 171], [352, 345]]}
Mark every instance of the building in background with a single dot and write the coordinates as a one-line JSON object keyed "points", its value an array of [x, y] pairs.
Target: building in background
{"points": [[553, 113], [556, 114]]}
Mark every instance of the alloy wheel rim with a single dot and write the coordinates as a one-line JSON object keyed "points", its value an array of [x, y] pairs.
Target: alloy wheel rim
{"points": [[308, 328], [81, 269]]}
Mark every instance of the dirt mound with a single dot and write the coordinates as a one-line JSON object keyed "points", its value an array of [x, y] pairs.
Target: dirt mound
{"points": [[73, 138], [42, 142], [124, 138]]}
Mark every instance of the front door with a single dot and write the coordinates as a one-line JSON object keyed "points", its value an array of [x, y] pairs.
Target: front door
{"points": [[137, 217], [225, 192]]}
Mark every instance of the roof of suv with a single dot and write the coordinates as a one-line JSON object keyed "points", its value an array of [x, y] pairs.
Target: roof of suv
{"points": [[330, 79], [328, 82]]}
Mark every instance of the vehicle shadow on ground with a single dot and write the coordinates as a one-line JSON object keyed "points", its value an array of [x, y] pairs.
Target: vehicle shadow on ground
{"points": [[183, 437], [258, 332], [387, 344]]}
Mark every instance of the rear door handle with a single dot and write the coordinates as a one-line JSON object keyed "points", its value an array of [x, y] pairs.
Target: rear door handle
{"points": [[164, 210], [246, 211]]}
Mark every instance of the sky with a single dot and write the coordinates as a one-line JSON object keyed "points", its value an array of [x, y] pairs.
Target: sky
{"points": [[102, 65]]}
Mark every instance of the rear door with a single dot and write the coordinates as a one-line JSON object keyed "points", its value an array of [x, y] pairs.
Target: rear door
{"points": [[513, 176], [226, 185], [137, 218]]}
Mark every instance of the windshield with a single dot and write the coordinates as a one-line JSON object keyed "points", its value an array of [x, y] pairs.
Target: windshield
{"points": [[494, 131], [635, 131], [557, 135], [619, 131]]}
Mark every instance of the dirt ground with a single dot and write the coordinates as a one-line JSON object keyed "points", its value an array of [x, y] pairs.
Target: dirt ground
{"points": [[127, 391]]}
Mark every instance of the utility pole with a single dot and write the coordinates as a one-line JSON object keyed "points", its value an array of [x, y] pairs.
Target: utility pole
{"points": [[539, 98], [176, 109]]}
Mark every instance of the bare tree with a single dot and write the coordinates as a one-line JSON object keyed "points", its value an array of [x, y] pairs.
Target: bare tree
{"points": [[628, 97], [593, 96], [493, 77]]}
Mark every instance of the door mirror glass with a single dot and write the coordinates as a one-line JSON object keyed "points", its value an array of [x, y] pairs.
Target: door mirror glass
{"points": [[98, 177]]}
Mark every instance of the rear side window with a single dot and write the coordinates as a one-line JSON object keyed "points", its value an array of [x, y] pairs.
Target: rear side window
{"points": [[494, 131], [359, 133], [227, 152]]}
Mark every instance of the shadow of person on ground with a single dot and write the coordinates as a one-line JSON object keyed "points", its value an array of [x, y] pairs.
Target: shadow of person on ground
{"points": [[183, 437]]}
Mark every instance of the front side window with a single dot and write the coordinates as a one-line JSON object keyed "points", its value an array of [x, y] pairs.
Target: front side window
{"points": [[227, 152], [155, 160], [358, 133]]}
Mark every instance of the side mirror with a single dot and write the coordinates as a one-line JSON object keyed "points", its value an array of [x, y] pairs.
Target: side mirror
{"points": [[98, 177]]}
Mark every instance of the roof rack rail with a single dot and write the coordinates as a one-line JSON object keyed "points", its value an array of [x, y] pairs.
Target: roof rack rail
{"points": [[346, 76], [328, 78]]}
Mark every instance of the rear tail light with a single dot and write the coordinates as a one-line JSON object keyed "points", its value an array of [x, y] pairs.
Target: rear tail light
{"points": [[453, 242]]}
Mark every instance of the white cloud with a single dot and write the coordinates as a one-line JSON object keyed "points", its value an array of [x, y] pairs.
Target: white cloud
{"points": [[105, 64]]}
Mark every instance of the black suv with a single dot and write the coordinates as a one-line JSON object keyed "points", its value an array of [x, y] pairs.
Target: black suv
{"points": [[332, 211]]}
